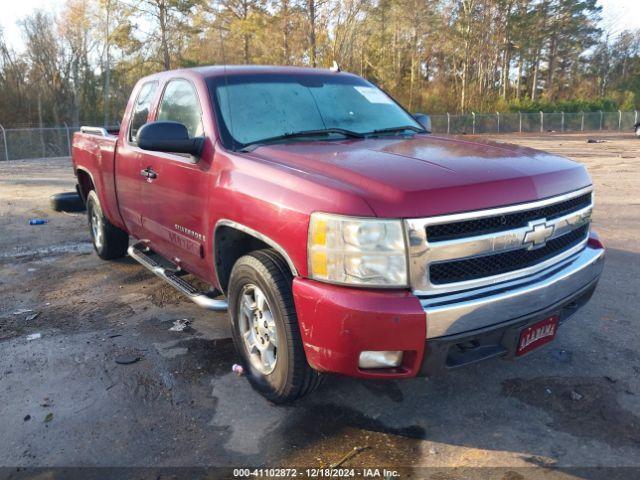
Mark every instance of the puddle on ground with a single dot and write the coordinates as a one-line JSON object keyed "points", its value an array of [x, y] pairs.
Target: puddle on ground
{"points": [[170, 350], [309, 433], [581, 406], [198, 356]]}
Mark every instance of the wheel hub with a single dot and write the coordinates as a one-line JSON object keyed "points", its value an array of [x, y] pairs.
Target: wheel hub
{"points": [[258, 329], [96, 227]]}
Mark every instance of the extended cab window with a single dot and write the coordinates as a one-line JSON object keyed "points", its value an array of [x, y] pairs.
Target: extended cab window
{"points": [[180, 104], [141, 109]]}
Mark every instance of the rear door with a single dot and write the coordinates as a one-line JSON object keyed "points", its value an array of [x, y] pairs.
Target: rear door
{"points": [[129, 180], [175, 200]]}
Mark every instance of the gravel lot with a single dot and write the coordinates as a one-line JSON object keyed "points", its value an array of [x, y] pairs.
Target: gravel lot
{"points": [[65, 402]]}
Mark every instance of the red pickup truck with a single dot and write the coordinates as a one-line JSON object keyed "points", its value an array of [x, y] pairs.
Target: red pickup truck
{"points": [[344, 236]]}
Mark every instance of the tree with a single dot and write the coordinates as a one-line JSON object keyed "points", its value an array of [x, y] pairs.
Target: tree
{"points": [[47, 69], [75, 27], [170, 25], [431, 55], [243, 17]]}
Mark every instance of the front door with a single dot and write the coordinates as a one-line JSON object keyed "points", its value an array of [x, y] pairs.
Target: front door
{"points": [[129, 179], [176, 193]]}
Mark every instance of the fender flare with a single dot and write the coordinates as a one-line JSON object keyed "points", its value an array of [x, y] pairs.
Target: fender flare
{"points": [[224, 222], [85, 170], [119, 221]]}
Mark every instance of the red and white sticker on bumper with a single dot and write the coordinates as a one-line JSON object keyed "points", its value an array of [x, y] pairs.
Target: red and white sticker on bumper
{"points": [[538, 334]]}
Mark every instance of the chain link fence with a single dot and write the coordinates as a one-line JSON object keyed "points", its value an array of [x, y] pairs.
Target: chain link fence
{"points": [[46, 142], [479, 123], [23, 143]]}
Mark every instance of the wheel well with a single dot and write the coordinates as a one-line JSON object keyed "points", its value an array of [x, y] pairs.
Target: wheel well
{"points": [[230, 244], [85, 184]]}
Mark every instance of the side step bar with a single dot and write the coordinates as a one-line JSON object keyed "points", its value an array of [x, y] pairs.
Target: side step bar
{"points": [[139, 252]]}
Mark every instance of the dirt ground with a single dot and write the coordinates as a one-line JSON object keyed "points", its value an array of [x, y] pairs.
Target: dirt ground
{"points": [[65, 402]]}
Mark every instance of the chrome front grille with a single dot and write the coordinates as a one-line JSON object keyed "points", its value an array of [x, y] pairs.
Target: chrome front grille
{"points": [[490, 265], [480, 226], [457, 252]]}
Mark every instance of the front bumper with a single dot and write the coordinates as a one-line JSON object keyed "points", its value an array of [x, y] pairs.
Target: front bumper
{"points": [[454, 351], [479, 308], [435, 333]]}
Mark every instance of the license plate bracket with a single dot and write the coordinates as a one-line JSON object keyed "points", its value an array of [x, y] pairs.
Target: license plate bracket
{"points": [[538, 334]]}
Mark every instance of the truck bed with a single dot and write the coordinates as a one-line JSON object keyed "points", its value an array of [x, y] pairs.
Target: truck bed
{"points": [[93, 158]]}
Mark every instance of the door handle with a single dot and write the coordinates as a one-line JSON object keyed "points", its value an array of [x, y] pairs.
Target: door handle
{"points": [[148, 173]]}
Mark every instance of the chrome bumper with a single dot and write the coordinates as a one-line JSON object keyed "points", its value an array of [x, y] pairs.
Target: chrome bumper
{"points": [[479, 308]]}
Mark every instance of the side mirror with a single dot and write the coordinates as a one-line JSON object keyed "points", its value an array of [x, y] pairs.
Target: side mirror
{"points": [[424, 120], [170, 137]]}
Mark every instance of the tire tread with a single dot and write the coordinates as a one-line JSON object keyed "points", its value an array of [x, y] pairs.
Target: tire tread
{"points": [[303, 379], [116, 241]]}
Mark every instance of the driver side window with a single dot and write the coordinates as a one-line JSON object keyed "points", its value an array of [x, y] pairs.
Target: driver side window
{"points": [[141, 109], [180, 103]]}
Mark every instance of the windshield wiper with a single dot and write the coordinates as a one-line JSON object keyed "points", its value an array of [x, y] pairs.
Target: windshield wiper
{"points": [[396, 130], [305, 133]]}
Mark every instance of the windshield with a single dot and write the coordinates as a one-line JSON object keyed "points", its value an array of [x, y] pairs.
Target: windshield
{"points": [[252, 108]]}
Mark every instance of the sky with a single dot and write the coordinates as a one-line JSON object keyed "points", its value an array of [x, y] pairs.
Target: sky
{"points": [[618, 15]]}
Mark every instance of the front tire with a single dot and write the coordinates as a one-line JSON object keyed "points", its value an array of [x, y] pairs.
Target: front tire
{"points": [[265, 328], [108, 240]]}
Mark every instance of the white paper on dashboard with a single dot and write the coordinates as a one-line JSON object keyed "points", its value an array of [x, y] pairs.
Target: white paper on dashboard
{"points": [[373, 95]]}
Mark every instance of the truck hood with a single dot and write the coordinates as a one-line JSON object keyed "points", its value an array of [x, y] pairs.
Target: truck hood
{"points": [[428, 175]]}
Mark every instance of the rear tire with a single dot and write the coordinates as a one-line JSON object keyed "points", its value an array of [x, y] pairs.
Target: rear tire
{"points": [[265, 328], [108, 240]]}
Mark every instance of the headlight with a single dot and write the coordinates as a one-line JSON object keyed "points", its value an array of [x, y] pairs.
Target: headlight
{"points": [[357, 251]]}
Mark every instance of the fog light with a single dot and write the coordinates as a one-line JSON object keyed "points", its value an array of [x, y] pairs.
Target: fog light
{"points": [[385, 359]]}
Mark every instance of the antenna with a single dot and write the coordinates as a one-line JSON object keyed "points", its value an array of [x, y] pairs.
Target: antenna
{"points": [[335, 67]]}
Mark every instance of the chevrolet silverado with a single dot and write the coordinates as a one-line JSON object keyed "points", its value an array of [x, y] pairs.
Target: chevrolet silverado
{"points": [[338, 232]]}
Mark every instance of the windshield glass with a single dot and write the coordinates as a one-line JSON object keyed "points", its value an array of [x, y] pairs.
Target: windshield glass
{"points": [[251, 108]]}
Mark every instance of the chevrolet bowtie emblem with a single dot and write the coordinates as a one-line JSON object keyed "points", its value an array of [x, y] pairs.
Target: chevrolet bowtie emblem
{"points": [[537, 235]]}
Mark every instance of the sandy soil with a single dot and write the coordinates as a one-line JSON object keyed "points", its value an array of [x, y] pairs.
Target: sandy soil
{"points": [[65, 402]]}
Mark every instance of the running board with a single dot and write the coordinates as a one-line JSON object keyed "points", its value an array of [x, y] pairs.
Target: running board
{"points": [[139, 252]]}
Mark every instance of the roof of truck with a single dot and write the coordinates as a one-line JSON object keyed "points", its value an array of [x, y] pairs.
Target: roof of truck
{"points": [[220, 70], [215, 70]]}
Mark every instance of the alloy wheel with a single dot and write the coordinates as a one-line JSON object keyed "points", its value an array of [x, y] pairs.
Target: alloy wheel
{"points": [[258, 329], [96, 227]]}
